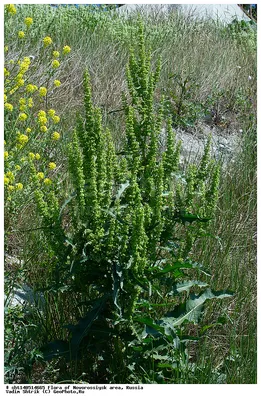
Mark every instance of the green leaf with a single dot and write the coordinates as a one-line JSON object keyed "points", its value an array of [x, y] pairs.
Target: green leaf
{"points": [[113, 215], [57, 348], [170, 268], [117, 276], [221, 321], [177, 266], [67, 202], [151, 327], [186, 286], [167, 365], [122, 189], [191, 310], [147, 304], [184, 216], [80, 330]]}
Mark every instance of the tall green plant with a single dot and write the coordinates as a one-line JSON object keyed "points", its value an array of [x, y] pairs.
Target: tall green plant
{"points": [[133, 221]]}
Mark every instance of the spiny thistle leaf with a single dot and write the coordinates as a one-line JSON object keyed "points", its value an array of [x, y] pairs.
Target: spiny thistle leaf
{"points": [[191, 310]]}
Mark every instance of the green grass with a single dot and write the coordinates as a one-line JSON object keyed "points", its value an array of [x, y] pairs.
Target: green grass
{"points": [[210, 58], [233, 264]]}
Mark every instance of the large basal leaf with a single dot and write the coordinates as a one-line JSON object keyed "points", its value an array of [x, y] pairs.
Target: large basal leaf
{"points": [[191, 310]]}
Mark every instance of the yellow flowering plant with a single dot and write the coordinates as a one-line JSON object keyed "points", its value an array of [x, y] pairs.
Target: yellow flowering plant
{"points": [[30, 126]]}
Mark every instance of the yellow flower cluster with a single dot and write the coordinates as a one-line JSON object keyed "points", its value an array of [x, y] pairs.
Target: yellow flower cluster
{"points": [[21, 34], [34, 156], [56, 119], [18, 186], [9, 179], [56, 136], [47, 181], [10, 176], [22, 139], [41, 113], [24, 65], [19, 78], [66, 50], [8, 107], [51, 113], [42, 91], [57, 83], [31, 156], [28, 21], [25, 103], [22, 101], [52, 165], [40, 175], [18, 89], [31, 88], [11, 9], [42, 118], [22, 117], [30, 102], [55, 64], [47, 41]]}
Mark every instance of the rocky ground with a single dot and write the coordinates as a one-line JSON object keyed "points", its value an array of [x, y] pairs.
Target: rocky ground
{"points": [[225, 142]]}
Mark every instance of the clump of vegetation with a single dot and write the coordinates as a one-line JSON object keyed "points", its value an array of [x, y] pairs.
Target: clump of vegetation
{"points": [[31, 124], [243, 32], [125, 240], [131, 228]]}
